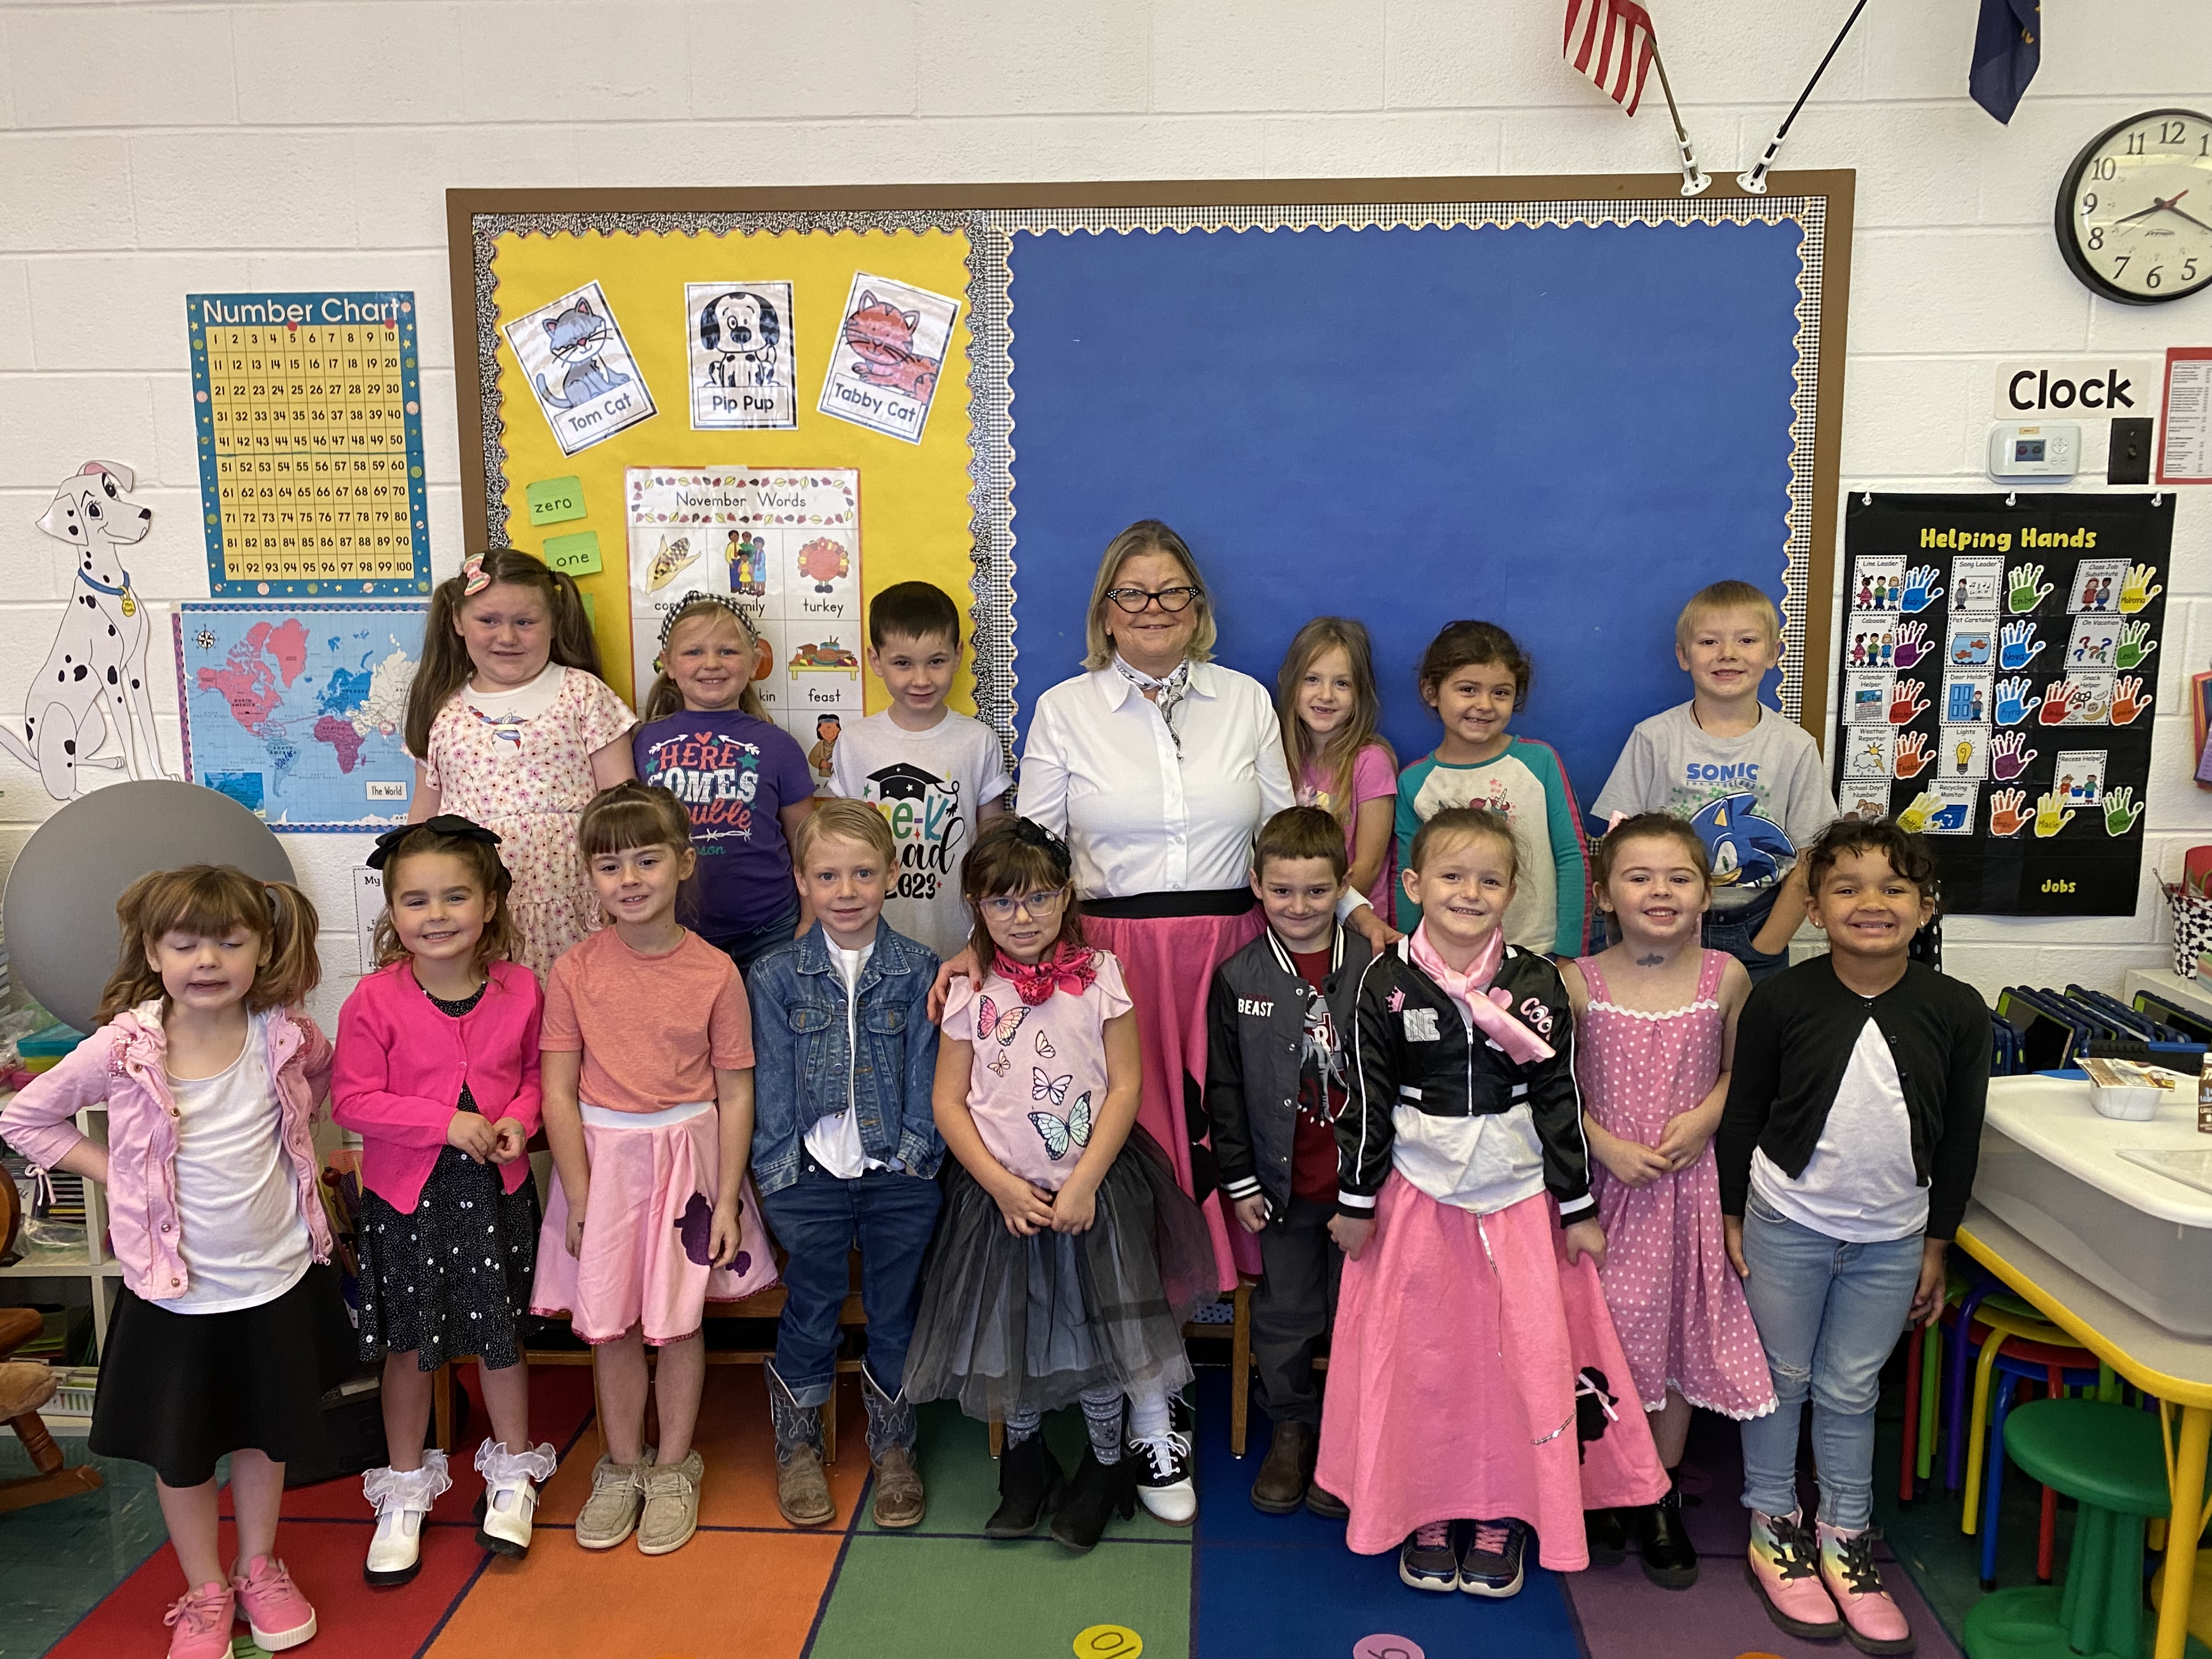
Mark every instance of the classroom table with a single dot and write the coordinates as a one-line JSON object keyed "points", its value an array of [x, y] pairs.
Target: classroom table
{"points": [[2177, 1369]]}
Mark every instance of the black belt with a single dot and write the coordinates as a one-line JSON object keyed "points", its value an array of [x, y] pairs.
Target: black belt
{"points": [[1153, 907]]}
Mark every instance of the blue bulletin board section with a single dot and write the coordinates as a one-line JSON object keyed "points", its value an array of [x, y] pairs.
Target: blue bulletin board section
{"points": [[1563, 428]]}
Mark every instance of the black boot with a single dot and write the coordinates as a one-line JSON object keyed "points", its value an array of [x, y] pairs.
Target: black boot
{"points": [[1669, 1559], [1607, 1535], [1029, 1477], [1096, 1492]]}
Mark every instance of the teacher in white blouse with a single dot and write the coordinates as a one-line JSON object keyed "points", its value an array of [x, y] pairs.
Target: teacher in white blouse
{"points": [[1159, 767]]}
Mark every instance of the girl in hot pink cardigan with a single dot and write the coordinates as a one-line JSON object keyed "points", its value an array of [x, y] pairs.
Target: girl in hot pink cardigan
{"points": [[437, 1072]]}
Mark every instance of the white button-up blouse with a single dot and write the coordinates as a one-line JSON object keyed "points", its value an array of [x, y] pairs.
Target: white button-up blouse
{"points": [[1101, 771]]}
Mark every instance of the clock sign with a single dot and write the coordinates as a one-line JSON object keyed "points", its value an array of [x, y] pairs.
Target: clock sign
{"points": [[2135, 213]]}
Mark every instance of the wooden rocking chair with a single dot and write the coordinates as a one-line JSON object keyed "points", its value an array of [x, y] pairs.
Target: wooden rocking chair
{"points": [[24, 1388]]}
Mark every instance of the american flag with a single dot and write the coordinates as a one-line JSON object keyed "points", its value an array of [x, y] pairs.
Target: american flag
{"points": [[1611, 41]]}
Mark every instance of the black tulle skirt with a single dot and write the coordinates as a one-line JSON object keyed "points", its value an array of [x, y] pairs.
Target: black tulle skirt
{"points": [[1009, 1325]]}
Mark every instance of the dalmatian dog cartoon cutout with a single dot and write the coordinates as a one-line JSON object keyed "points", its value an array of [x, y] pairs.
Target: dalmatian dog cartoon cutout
{"points": [[743, 371], [92, 686]]}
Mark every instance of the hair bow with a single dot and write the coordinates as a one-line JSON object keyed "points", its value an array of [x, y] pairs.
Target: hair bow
{"points": [[1030, 833], [444, 823], [473, 579]]}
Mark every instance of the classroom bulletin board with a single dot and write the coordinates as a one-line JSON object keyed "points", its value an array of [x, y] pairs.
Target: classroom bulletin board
{"points": [[1560, 404]]}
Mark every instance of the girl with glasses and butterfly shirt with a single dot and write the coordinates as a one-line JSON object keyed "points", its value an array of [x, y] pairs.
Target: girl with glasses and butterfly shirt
{"points": [[1067, 1258]]}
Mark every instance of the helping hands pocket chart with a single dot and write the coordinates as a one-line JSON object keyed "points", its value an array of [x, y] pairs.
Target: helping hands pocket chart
{"points": [[1995, 671], [785, 544], [309, 410]]}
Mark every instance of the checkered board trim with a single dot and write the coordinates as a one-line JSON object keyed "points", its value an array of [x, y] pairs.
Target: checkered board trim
{"points": [[990, 312]]}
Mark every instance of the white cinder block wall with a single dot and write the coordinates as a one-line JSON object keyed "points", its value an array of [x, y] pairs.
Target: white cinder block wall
{"points": [[152, 150]]}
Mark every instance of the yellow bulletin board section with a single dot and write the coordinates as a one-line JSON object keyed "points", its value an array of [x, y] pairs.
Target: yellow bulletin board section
{"points": [[914, 507]]}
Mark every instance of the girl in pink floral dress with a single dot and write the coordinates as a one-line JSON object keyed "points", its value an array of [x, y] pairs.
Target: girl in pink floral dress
{"points": [[511, 726], [1656, 1018]]}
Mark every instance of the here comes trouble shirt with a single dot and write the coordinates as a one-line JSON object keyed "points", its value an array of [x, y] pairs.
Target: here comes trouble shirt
{"points": [[734, 773]]}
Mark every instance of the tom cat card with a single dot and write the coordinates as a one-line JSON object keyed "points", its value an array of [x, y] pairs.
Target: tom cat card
{"points": [[2048, 612]]}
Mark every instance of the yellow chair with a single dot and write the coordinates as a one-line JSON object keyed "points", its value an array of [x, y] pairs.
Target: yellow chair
{"points": [[2001, 1323]]}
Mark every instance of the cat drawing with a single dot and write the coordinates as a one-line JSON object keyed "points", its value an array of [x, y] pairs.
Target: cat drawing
{"points": [[882, 336], [577, 336]]}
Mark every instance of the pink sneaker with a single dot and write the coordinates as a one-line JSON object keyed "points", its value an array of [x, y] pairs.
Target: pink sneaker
{"points": [[1782, 1568], [1872, 1622], [275, 1610], [201, 1621]]}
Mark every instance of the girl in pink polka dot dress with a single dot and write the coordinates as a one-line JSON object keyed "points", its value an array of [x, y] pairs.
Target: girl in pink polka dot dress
{"points": [[1654, 1023]]}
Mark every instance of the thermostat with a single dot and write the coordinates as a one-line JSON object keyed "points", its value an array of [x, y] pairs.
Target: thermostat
{"points": [[2047, 450]]}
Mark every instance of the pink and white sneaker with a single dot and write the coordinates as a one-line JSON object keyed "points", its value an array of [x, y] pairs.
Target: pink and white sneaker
{"points": [[275, 1610], [1872, 1622], [200, 1621], [1782, 1568]]}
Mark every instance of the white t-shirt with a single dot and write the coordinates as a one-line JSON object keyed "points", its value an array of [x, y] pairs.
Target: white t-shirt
{"points": [[238, 1207], [930, 786], [524, 701], [1859, 1185], [834, 1142]]}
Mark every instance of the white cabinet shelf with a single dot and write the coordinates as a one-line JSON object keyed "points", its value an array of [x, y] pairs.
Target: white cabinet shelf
{"points": [[89, 1262]]}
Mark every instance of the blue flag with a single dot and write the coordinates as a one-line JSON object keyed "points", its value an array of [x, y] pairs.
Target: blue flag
{"points": [[2008, 47]]}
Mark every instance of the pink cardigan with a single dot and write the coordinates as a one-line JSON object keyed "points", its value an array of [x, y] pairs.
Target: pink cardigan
{"points": [[123, 1064], [397, 1082]]}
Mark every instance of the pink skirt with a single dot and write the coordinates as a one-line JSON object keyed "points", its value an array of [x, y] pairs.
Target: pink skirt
{"points": [[644, 1260], [1475, 1374], [1167, 963]]}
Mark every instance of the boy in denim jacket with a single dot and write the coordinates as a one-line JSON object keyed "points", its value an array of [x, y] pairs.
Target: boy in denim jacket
{"points": [[845, 1152]]}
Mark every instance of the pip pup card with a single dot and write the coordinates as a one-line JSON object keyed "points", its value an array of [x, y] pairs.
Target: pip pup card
{"points": [[309, 415], [891, 348], [743, 355], [574, 358]]}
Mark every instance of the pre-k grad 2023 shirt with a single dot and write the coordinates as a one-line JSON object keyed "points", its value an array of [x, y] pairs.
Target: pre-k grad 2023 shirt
{"points": [[1754, 799], [734, 774]]}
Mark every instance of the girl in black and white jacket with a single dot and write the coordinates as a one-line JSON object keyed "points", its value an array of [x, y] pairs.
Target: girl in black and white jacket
{"points": [[1477, 1386]]}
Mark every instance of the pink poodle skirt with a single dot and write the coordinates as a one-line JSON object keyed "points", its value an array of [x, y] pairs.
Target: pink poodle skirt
{"points": [[644, 1260], [1475, 1374], [1167, 963]]}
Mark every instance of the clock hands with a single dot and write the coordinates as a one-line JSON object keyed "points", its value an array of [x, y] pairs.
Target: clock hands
{"points": [[2164, 205]]}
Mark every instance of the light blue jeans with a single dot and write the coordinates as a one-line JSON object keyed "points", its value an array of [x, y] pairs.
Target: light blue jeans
{"points": [[1829, 1315]]}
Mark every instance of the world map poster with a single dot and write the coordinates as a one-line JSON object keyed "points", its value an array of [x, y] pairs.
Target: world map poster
{"points": [[298, 711]]}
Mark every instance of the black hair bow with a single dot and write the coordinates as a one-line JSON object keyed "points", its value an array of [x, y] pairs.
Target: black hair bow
{"points": [[1030, 833], [443, 824]]}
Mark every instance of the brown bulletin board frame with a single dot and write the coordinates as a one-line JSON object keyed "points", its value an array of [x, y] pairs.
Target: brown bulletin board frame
{"points": [[1834, 187]]}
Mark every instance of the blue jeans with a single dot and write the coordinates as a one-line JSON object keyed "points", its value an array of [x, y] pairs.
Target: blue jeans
{"points": [[819, 1219], [742, 948], [1829, 1315], [1733, 931]]}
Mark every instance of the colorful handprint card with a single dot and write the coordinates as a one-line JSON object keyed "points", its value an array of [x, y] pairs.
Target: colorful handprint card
{"points": [[2095, 589], [1966, 697], [2078, 777], [1877, 584], [1963, 751], [1868, 753], [1866, 698], [2095, 643], [889, 349], [1977, 585], [1970, 645]]}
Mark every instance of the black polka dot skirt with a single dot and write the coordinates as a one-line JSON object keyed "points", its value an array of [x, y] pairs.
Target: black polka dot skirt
{"points": [[452, 1279]]}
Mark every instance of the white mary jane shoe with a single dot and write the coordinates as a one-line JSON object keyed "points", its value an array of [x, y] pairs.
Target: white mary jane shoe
{"points": [[403, 1501], [510, 1495]]}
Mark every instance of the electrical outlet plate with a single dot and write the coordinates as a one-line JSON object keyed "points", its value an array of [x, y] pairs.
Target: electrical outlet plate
{"points": [[2047, 449]]}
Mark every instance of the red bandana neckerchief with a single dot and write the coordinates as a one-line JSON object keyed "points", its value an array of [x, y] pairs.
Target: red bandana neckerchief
{"points": [[1070, 968]]}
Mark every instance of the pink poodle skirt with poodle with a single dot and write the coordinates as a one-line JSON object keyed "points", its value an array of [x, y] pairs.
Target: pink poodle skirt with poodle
{"points": [[1476, 1374], [644, 1260]]}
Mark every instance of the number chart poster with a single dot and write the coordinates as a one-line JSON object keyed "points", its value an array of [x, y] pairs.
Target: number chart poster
{"points": [[1996, 669], [310, 414]]}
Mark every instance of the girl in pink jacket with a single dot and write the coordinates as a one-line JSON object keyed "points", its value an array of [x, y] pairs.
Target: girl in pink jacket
{"points": [[437, 1072], [227, 1325]]}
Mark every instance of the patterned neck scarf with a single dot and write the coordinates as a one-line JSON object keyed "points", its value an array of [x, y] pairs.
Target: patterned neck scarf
{"points": [[1167, 695], [1489, 1010], [1070, 968]]}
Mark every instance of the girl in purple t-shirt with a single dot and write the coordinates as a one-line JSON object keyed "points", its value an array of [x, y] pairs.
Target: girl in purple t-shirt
{"points": [[708, 739]]}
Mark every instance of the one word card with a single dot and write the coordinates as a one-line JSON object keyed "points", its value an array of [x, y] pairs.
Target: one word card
{"points": [[785, 546], [310, 415]]}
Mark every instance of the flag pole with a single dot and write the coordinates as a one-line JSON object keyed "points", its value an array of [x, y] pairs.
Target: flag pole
{"points": [[1753, 183], [1693, 180]]}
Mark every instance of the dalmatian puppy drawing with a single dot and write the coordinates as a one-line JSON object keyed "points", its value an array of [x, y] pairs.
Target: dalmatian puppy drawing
{"points": [[743, 333], [93, 683]]}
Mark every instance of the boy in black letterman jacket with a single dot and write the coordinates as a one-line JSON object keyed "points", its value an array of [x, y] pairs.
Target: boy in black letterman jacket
{"points": [[1275, 1082]]}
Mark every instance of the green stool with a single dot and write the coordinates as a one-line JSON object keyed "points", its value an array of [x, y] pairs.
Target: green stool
{"points": [[2112, 1461]]}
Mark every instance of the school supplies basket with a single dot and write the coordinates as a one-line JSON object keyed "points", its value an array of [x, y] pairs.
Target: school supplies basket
{"points": [[2192, 927]]}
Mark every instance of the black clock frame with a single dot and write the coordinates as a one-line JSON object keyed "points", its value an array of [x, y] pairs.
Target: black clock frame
{"points": [[2062, 219]]}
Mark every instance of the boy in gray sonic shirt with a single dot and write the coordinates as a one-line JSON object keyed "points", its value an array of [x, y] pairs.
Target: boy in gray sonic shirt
{"points": [[1752, 783]]}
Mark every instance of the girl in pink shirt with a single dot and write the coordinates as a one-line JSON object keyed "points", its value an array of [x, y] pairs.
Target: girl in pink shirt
{"points": [[1339, 760], [228, 1324], [1067, 1258], [437, 1072]]}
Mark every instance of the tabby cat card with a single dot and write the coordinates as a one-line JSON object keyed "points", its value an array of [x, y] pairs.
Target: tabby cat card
{"points": [[890, 348], [574, 355]]}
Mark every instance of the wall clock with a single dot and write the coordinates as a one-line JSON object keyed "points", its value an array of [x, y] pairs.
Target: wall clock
{"points": [[2133, 217]]}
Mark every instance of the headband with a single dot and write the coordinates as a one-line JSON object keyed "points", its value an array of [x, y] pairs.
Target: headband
{"points": [[1030, 833], [697, 597], [445, 823], [473, 580]]}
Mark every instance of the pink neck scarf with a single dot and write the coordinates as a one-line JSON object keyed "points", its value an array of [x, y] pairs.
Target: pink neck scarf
{"points": [[1487, 1009]]}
